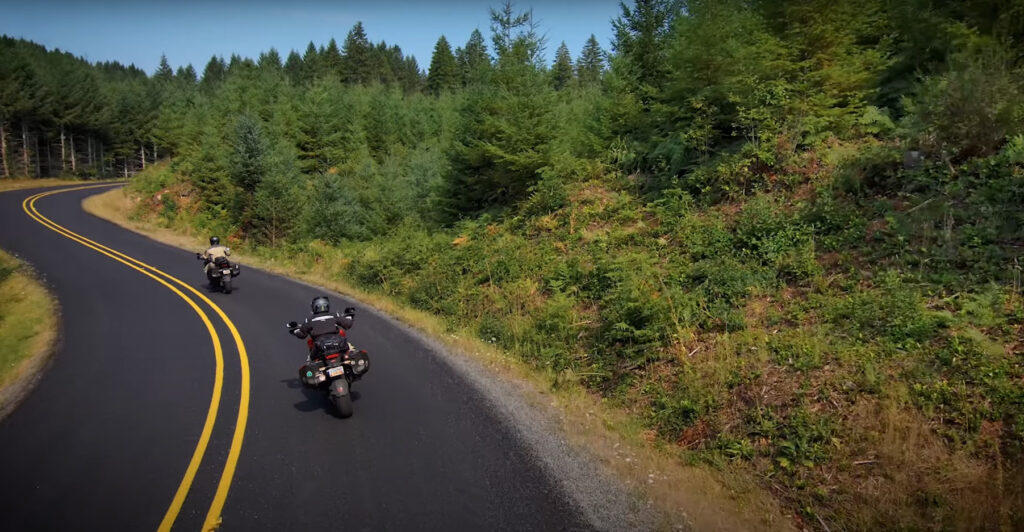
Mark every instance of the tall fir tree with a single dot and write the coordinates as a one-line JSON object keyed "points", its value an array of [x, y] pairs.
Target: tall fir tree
{"points": [[331, 60], [164, 72], [474, 62], [444, 72], [214, 73], [293, 68], [561, 70], [357, 52], [591, 63]]}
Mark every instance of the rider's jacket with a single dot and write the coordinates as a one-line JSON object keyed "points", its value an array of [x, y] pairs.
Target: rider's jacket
{"points": [[213, 253], [321, 323]]}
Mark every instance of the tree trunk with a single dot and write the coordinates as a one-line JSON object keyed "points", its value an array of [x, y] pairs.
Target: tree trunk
{"points": [[126, 168], [39, 162], [154, 152], [3, 150], [89, 145], [142, 155], [24, 147], [63, 155], [74, 167], [103, 164], [49, 157]]}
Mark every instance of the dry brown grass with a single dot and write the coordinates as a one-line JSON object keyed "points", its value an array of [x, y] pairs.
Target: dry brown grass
{"points": [[686, 496], [26, 331], [18, 184]]}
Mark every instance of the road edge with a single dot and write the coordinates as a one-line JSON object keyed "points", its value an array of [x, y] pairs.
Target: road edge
{"points": [[34, 366]]}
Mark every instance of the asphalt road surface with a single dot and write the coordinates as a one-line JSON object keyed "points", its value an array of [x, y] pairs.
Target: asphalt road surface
{"points": [[107, 436]]}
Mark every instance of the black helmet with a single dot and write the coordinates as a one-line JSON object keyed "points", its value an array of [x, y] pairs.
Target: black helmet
{"points": [[214, 240], [320, 304]]}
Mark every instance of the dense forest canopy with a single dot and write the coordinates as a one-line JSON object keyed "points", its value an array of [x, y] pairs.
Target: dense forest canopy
{"points": [[783, 234]]}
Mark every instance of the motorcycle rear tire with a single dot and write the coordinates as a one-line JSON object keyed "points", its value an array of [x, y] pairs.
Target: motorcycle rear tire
{"points": [[225, 284], [343, 403]]}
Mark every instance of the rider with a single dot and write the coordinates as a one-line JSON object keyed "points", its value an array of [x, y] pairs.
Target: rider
{"points": [[323, 322], [215, 250]]}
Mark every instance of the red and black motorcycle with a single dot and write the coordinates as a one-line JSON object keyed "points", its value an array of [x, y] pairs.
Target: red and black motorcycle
{"points": [[333, 365]]}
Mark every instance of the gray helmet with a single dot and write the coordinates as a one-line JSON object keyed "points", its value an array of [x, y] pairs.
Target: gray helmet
{"points": [[214, 240], [320, 304]]}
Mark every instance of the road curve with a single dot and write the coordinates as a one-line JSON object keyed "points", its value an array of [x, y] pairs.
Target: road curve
{"points": [[105, 439]]}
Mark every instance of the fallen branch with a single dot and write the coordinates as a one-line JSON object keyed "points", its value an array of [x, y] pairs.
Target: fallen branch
{"points": [[863, 462]]}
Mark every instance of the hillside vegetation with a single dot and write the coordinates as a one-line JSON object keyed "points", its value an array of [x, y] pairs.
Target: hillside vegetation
{"points": [[787, 236]]}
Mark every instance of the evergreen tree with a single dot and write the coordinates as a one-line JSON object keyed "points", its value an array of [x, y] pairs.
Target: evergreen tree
{"points": [[474, 61], [270, 61], [515, 35], [214, 73], [331, 60], [443, 75], [293, 68], [311, 63], [164, 73], [357, 53], [187, 75], [591, 63], [561, 71]]}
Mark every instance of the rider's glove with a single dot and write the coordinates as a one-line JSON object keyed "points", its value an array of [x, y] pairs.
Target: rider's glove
{"points": [[350, 311]]}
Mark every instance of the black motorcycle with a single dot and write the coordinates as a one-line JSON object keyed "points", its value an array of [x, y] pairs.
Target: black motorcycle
{"points": [[221, 274], [333, 365]]}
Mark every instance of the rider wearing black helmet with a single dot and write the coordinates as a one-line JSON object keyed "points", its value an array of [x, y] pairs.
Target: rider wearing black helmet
{"points": [[215, 250], [323, 322]]}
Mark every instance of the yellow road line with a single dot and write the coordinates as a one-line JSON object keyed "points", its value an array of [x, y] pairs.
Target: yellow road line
{"points": [[212, 520], [204, 439]]}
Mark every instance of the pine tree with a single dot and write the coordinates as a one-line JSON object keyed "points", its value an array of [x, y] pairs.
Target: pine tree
{"points": [[214, 73], [515, 35], [591, 63], [164, 73], [270, 60], [187, 74], [357, 51], [444, 73], [474, 61], [561, 71], [293, 68], [311, 63], [331, 60]]}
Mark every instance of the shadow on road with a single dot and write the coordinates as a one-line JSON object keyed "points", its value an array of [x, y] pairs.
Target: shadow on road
{"points": [[314, 399]]}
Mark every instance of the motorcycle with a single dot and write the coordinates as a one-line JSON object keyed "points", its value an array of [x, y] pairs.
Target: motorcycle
{"points": [[333, 365], [221, 274]]}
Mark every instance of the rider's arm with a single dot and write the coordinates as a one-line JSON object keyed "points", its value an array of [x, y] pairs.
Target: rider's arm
{"points": [[303, 330], [345, 322], [227, 250]]}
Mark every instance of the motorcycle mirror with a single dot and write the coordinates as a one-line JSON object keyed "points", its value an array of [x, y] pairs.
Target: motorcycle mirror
{"points": [[292, 324]]}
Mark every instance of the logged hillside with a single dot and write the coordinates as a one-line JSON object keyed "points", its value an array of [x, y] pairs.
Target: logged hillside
{"points": [[786, 236]]}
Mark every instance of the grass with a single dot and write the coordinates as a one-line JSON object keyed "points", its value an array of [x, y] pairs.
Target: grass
{"points": [[18, 184], [26, 329]]}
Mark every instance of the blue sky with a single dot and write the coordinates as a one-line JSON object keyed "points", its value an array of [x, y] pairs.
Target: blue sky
{"points": [[191, 31]]}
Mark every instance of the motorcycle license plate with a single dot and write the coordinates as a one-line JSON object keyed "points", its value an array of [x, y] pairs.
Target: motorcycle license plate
{"points": [[225, 272], [334, 372]]}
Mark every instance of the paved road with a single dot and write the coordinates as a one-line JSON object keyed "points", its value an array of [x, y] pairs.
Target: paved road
{"points": [[105, 439]]}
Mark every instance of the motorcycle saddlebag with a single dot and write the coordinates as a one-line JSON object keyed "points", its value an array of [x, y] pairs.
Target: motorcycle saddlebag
{"points": [[310, 375], [235, 270], [360, 362]]}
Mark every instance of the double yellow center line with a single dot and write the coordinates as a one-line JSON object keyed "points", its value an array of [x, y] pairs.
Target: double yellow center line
{"points": [[213, 518]]}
